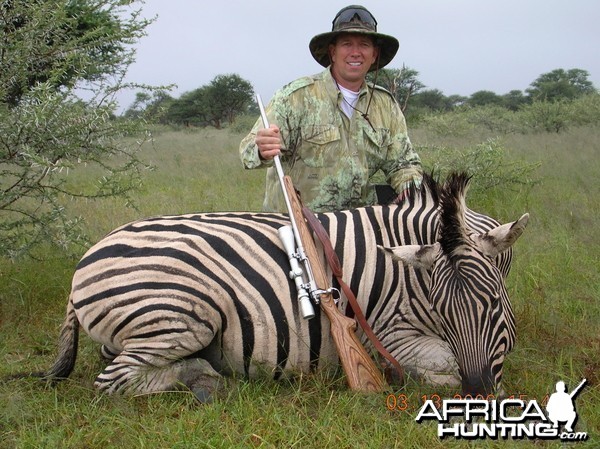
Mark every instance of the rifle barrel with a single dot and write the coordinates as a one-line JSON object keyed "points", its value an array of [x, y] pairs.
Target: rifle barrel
{"points": [[288, 205], [361, 372]]}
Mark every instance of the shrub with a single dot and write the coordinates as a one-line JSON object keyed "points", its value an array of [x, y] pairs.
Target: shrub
{"points": [[496, 119], [586, 110], [549, 116], [446, 124], [244, 123], [487, 162]]}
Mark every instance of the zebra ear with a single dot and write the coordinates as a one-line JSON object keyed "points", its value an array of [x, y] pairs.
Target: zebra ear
{"points": [[501, 238], [419, 256]]}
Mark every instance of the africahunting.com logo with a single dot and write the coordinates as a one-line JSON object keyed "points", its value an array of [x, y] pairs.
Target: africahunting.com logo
{"points": [[507, 418]]}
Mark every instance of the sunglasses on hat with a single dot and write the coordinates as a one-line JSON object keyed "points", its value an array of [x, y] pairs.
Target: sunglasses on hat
{"points": [[348, 17]]}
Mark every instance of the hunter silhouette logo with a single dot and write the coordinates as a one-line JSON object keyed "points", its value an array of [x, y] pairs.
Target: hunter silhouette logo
{"points": [[507, 418], [561, 406]]}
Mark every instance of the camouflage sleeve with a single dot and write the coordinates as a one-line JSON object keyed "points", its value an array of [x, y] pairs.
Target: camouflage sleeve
{"points": [[403, 165], [249, 149], [278, 112]]}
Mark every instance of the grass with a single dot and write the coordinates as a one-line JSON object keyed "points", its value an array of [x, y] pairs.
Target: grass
{"points": [[191, 171], [554, 286]]}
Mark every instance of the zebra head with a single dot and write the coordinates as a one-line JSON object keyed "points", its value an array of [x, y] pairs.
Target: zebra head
{"points": [[467, 294]]}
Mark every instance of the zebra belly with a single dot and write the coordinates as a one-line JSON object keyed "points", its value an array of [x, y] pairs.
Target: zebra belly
{"points": [[179, 308]]}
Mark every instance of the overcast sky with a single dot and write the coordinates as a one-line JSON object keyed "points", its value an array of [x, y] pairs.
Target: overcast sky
{"points": [[457, 46]]}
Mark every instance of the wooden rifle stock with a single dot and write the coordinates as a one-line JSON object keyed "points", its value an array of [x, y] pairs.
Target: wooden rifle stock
{"points": [[360, 370]]}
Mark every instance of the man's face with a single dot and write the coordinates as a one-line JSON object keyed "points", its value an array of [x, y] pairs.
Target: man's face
{"points": [[352, 56]]}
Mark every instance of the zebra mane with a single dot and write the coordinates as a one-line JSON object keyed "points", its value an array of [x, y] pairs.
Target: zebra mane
{"points": [[430, 186], [449, 198], [453, 229]]}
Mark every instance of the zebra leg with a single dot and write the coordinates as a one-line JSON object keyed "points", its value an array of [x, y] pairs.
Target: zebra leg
{"points": [[108, 353], [138, 372], [430, 359]]}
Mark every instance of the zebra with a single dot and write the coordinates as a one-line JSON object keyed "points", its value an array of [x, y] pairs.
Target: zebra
{"points": [[186, 300]]}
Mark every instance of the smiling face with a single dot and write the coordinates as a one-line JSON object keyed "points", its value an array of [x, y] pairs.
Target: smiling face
{"points": [[351, 58]]}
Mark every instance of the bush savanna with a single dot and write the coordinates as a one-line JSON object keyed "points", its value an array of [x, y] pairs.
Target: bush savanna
{"points": [[554, 286]]}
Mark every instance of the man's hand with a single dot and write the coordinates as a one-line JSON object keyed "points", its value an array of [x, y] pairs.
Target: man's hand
{"points": [[268, 142]]}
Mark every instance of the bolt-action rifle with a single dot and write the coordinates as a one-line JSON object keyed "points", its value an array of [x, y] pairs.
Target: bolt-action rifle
{"points": [[312, 283]]}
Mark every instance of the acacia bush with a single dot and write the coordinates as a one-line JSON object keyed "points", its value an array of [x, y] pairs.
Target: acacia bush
{"points": [[586, 110], [488, 163], [61, 65], [43, 139], [544, 116]]}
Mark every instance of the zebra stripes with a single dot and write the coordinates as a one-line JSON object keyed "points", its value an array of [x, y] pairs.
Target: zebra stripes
{"points": [[187, 299]]}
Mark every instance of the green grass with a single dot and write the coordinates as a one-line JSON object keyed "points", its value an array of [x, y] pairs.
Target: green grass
{"points": [[192, 170], [554, 286]]}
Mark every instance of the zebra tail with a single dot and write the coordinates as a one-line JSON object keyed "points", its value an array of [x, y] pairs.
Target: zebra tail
{"points": [[67, 348]]}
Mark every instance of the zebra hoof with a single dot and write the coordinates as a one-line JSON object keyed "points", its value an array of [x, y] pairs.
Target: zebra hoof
{"points": [[203, 395], [392, 375]]}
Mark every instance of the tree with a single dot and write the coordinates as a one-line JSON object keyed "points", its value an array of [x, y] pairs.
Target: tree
{"points": [[53, 42], [228, 96], [431, 99], [561, 84], [139, 105], [187, 109], [215, 104], [402, 83], [514, 100], [151, 107], [454, 101], [484, 98], [61, 63]]}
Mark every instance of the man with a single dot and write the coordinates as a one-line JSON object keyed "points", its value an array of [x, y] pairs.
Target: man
{"points": [[560, 406], [332, 130]]}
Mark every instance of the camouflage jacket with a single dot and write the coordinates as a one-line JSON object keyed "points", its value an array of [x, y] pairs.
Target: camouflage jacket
{"points": [[330, 157]]}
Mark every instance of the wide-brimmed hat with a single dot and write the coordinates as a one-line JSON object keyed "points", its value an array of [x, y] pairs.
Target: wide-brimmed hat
{"points": [[354, 19]]}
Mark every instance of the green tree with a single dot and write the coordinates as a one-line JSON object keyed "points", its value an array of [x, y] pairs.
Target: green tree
{"points": [[514, 100], [455, 101], [150, 106], [215, 104], [431, 99], [229, 96], [561, 84], [61, 64], [139, 105], [402, 83], [187, 109], [484, 98], [53, 42]]}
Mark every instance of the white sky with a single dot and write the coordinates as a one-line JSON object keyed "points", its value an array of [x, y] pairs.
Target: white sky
{"points": [[457, 46]]}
